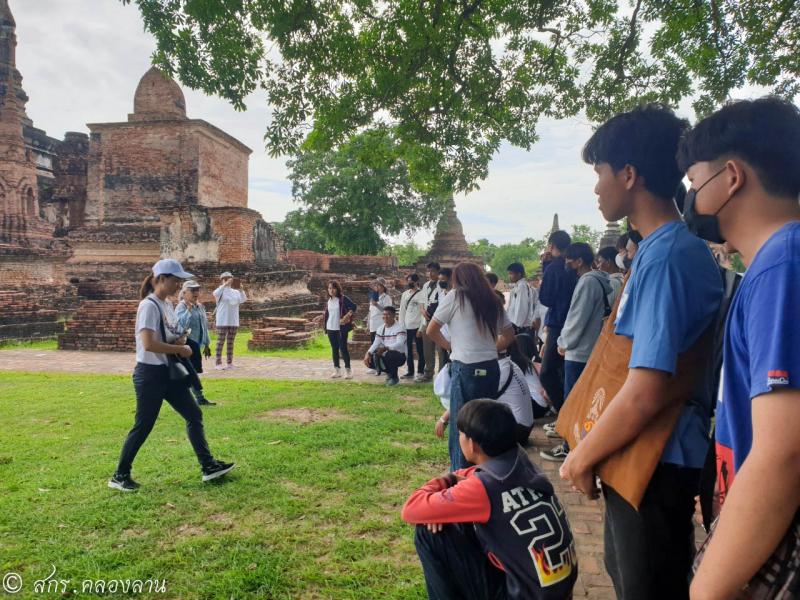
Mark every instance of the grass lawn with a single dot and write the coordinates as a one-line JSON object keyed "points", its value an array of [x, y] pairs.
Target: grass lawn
{"points": [[318, 347], [312, 510]]}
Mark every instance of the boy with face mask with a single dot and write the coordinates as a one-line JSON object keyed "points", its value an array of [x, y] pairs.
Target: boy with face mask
{"points": [[744, 166]]}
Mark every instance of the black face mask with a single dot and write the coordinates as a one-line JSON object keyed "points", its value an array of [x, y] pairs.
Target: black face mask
{"points": [[411, 285], [443, 285], [705, 227]]}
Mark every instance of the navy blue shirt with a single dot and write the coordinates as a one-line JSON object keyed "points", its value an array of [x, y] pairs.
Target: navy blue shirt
{"points": [[555, 293], [762, 342], [671, 298]]}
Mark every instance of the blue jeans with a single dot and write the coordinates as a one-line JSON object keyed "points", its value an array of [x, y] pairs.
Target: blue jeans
{"points": [[572, 372], [468, 382]]}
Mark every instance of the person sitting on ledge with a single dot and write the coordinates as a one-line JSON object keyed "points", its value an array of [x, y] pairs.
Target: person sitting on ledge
{"points": [[388, 349], [495, 530]]}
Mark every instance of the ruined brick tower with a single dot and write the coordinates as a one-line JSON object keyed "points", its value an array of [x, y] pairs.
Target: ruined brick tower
{"points": [[449, 244]]}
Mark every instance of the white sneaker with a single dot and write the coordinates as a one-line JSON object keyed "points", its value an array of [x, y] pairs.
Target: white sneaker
{"points": [[348, 373], [220, 367], [371, 372], [230, 366], [337, 373], [419, 377]]}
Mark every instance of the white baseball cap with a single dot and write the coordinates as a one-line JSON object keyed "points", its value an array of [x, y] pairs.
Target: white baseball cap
{"points": [[226, 274], [170, 266], [190, 285]]}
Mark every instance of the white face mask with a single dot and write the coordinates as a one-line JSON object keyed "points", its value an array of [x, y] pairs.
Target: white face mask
{"points": [[620, 262]]}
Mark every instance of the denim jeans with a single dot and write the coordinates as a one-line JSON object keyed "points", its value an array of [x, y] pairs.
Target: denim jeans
{"points": [[338, 341], [455, 566], [468, 382]]}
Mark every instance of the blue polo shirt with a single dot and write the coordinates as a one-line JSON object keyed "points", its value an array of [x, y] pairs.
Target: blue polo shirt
{"points": [[762, 343], [671, 298]]}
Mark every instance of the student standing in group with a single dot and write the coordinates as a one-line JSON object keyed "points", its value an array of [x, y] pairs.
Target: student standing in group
{"points": [[623, 264], [590, 306], [388, 349], [607, 262], [497, 530], [157, 339], [445, 287], [191, 316], [744, 166], [228, 296], [671, 299], [338, 319], [478, 328], [520, 304], [379, 300], [411, 303], [494, 281], [430, 297], [555, 292]]}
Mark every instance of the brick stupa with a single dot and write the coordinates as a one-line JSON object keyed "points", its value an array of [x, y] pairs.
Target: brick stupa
{"points": [[449, 244]]}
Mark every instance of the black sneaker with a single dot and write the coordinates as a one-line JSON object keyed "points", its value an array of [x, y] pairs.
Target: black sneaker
{"points": [[408, 376], [556, 454], [217, 469], [205, 402], [123, 483]]}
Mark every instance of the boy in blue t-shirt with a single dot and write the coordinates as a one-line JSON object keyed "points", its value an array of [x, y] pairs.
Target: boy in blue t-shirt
{"points": [[671, 298], [744, 165]]}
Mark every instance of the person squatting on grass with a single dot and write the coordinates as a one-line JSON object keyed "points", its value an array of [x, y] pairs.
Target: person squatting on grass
{"points": [[192, 318], [388, 349], [157, 340], [478, 328], [338, 319], [743, 163], [495, 530], [228, 297]]}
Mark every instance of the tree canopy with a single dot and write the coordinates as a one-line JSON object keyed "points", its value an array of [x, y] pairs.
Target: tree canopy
{"points": [[455, 78]]}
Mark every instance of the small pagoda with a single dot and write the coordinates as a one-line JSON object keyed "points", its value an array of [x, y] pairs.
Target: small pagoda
{"points": [[449, 244]]}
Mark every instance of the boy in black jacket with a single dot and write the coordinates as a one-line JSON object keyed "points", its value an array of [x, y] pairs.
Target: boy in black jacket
{"points": [[495, 530]]}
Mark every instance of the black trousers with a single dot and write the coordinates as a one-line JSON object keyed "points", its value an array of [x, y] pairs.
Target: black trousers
{"points": [[391, 361], [338, 341], [552, 373], [649, 553], [456, 567], [153, 386], [411, 339]]}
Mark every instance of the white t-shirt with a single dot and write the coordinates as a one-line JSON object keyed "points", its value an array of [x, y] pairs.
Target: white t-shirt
{"points": [[228, 301], [410, 304], [517, 395], [521, 304], [391, 338], [334, 318], [147, 317], [471, 343], [431, 293], [376, 312]]}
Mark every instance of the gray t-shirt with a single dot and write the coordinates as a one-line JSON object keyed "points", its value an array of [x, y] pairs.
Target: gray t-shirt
{"points": [[147, 317], [471, 343]]}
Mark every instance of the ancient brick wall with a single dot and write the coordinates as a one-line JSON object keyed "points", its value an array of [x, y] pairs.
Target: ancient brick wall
{"points": [[222, 169], [70, 170], [23, 318], [350, 265]]}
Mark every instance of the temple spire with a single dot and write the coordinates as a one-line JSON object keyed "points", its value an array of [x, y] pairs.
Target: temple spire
{"points": [[555, 226]]}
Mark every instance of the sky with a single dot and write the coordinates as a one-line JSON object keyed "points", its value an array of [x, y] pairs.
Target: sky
{"points": [[81, 64]]}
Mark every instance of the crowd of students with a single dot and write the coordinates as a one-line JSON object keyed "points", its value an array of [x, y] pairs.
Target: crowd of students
{"points": [[648, 323]]}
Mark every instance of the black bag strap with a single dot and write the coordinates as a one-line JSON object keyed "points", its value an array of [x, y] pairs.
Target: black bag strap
{"points": [[606, 305], [508, 381], [160, 320]]}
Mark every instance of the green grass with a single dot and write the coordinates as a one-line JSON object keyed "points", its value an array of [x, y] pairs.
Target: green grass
{"points": [[312, 511], [48, 344]]}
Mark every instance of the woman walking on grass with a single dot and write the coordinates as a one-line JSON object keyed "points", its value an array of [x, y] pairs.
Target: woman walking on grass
{"points": [[192, 318], [478, 328], [338, 319], [159, 339]]}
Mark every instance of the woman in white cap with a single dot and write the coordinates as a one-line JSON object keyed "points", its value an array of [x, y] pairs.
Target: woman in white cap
{"points": [[192, 318], [378, 300], [158, 339], [228, 300]]}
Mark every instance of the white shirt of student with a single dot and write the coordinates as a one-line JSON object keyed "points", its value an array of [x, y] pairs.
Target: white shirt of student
{"points": [[148, 317], [517, 395], [431, 293], [521, 304], [334, 318], [228, 301], [470, 342], [376, 312], [391, 338], [410, 303]]}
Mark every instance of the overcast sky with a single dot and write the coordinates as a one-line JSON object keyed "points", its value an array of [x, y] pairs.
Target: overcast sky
{"points": [[82, 59]]}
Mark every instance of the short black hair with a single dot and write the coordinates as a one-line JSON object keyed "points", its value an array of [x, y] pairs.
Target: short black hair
{"points": [[493, 278], [391, 309], [434, 265], [580, 250], [447, 272], [413, 277], [622, 241], [489, 424], [516, 267], [560, 239], [608, 253], [765, 133], [645, 138], [635, 237]]}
